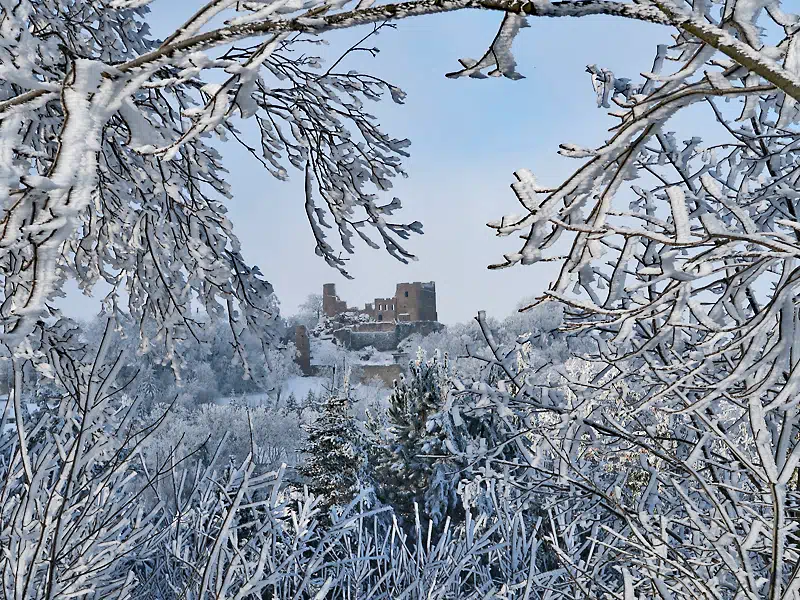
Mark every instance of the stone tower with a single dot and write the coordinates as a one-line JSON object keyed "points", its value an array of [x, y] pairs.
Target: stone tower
{"points": [[331, 305], [416, 301]]}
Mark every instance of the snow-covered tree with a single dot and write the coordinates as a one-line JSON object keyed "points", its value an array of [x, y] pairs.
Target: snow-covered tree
{"points": [[292, 405], [107, 174], [410, 466], [279, 365], [205, 384], [309, 313], [335, 461], [680, 271], [298, 406], [260, 431], [71, 517], [464, 343], [147, 386]]}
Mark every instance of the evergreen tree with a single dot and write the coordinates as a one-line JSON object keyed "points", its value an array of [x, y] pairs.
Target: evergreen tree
{"points": [[335, 464], [309, 402], [411, 463], [297, 406], [292, 405]]}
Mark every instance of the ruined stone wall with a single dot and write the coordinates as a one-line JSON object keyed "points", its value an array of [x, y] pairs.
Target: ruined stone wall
{"points": [[331, 305], [386, 374], [383, 309], [303, 346], [404, 330], [384, 337], [373, 326], [411, 302], [383, 341]]}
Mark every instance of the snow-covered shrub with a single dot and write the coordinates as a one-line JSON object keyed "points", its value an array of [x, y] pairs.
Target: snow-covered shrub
{"points": [[85, 511], [464, 346], [72, 517], [271, 436]]}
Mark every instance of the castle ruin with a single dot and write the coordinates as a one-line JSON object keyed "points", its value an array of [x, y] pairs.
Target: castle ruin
{"points": [[411, 302], [412, 310]]}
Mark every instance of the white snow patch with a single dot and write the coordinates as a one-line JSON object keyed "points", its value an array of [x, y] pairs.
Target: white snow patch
{"points": [[300, 386], [325, 352]]}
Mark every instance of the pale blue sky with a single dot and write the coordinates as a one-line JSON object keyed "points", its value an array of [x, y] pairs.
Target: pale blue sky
{"points": [[468, 136]]}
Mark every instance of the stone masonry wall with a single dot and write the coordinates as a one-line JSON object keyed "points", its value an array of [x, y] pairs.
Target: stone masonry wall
{"points": [[303, 347], [386, 374], [387, 340]]}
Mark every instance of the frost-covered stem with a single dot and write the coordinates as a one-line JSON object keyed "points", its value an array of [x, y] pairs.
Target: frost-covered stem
{"points": [[73, 460], [23, 443], [92, 393], [55, 545], [778, 493], [198, 19], [105, 342], [578, 8], [402, 10], [222, 536], [663, 12], [486, 331]]}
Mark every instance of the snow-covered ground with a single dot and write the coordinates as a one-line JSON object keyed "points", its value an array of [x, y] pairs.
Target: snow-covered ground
{"points": [[324, 351], [300, 386]]}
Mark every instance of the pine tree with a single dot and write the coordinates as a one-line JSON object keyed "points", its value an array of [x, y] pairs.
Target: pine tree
{"points": [[411, 467], [291, 405], [308, 403], [335, 465]]}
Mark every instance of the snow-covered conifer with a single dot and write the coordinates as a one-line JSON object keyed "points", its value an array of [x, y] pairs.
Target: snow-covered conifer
{"points": [[412, 467], [334, 466]]}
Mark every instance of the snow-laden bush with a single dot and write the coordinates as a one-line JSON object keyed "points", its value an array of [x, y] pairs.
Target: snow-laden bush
{"points": [[270, 435], [464, 346]]}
